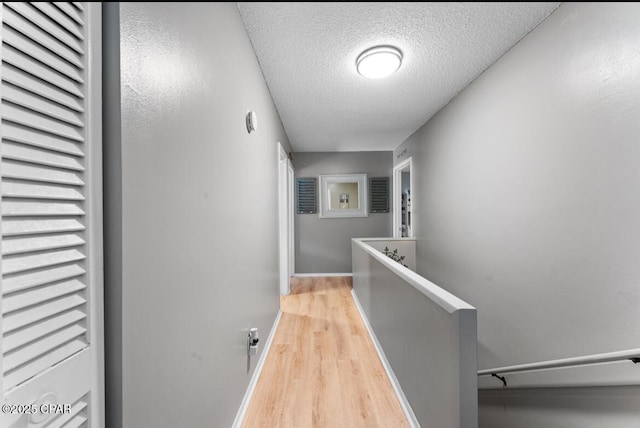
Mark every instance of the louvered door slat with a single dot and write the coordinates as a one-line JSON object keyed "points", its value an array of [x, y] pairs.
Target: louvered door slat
{"points": [[20, 338], [11, 227], [33, 279], [24, 153], [39, 295], [28, 370], [75, 412], [60, 18], [26, 82], [76, 422], [12, 56], [20, 209], [21, 319], [40, 243], [70, 11], [35, 138], [25, 171], [18, 114], [12, 189], [18, 41], [42, 37], [38, 104], [14, 359], [13, 264], [42, 21]]}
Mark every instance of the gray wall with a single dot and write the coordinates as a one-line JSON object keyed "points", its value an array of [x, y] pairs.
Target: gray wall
{"points": [[526, 198], [187, 237], [427, 336], [616, 407], [323, 245]]}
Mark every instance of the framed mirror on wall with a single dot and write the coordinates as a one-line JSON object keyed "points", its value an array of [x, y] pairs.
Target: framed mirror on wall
{"points": [[343, 195]]}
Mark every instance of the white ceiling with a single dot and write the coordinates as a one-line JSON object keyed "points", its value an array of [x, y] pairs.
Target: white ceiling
{"points": [[307, 52]]}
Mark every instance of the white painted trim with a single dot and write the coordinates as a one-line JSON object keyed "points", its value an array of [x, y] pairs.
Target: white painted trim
{"points": [[283, 220], [397, 190], [246, 400], [290, 219], [94, 218], [315, 275], [404, 403], [438, 295], [386, 239]]}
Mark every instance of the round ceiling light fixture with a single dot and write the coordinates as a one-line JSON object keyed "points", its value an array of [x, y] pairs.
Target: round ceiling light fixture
{"points": [[379, 61]]}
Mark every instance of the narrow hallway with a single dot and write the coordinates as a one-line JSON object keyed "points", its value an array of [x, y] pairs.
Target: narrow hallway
{"points": [[323, 369]]}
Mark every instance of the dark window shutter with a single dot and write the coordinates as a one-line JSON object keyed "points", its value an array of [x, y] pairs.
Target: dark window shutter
{"points": [[307, 195], [379, 197]]}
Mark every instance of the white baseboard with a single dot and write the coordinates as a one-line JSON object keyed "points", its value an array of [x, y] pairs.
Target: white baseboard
{"points": [[237, 423], [306, 275], [404, 403]]}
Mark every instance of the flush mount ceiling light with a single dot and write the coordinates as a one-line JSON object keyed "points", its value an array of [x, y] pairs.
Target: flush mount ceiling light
{"points": [[379, 61]]}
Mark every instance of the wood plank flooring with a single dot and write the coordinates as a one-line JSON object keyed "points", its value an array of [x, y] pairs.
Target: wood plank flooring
{"points": [[322, 369]]}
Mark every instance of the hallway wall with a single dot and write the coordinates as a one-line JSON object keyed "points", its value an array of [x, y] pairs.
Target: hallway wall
{"points": [[323, 245], [191, 200], [616, 407], [526, 206]]}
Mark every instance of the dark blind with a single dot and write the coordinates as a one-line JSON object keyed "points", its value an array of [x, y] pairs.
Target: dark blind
{"points": [[379, 197], [307, 195]]}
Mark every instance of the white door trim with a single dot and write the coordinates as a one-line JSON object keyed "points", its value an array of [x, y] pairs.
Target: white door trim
{"points": [[283, 234], [95, 262], [397, 199], [290, 218]]}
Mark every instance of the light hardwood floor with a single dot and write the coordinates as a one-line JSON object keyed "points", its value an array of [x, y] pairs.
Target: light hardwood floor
{"points": [[323, 370]]}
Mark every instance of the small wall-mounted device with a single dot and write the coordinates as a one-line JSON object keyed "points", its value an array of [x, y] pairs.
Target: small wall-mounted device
{"points": [[252, 121], [252, 341]]}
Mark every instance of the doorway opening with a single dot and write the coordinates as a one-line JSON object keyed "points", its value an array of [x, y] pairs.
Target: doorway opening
{"points": [[403, 225]]}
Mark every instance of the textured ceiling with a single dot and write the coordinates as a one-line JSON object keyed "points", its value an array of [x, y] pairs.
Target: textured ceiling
{"points": [[307, 52]]}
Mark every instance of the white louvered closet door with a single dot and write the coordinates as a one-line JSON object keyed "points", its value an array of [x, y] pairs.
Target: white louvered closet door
{"points": [[51, 213]]}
